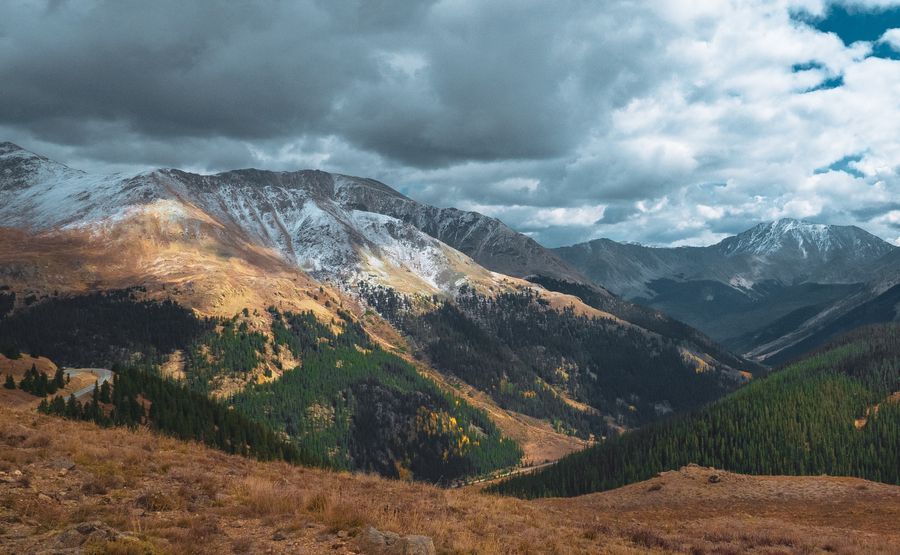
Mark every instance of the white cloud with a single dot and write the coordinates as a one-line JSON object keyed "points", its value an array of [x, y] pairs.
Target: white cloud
{"points": [[891, 37], [672, 122]]}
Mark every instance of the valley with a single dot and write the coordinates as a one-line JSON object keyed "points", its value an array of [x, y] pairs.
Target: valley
{"points": [[771, 293], [801, 420], [329, 330], [449, 277], [212, 268]]}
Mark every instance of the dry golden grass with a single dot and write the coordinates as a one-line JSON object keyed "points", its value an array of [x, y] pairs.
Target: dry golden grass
{"points": [[23, 400], [177, 497]]}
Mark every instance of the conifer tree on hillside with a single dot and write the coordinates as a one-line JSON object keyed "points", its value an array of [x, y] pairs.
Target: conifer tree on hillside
{"points": [[104, 393], [10, 383], [29, 380], [59, 379]]}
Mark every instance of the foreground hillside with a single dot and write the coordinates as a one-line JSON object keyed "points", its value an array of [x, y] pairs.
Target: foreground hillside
{"points": [[67, 485], [835, 412]]}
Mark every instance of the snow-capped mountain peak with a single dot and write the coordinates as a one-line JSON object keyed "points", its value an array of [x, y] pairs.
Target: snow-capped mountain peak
{"points": [[807, 240], [20, 167], [334, 227]]}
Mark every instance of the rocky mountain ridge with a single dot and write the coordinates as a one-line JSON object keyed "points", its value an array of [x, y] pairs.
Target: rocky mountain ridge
{"points": [[332, 226], [787, 250], [759, 291], [240, 242]]}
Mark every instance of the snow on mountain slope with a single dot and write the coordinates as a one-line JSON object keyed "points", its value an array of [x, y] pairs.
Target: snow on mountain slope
{"points": [[787, 251], [297, 214], [487, 240], [812, 244], [756, 291]]}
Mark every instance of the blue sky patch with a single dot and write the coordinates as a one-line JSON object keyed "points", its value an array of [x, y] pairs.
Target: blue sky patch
{"points": [[830, 83], [807, 66], [853, 24], [843, 165], [883, 50]]}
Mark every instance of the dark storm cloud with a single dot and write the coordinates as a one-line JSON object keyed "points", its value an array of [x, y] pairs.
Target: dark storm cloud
{"points": [[424, 85], [174, 69], [618, 213]]}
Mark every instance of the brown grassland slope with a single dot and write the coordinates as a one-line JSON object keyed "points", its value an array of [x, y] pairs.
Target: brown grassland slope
{"points": [[196, 262], [17, 368], [118, 491]]}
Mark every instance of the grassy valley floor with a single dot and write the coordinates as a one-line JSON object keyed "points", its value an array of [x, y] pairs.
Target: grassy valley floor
{"points": [[121, 491]]}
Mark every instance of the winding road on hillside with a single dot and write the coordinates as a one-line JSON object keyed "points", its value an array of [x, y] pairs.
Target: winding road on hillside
{"points": [[103, 375]]}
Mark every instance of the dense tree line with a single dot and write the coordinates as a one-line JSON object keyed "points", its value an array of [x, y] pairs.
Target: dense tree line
{"points": [[100, 328], [384, 416], [39, 384], [138, 397], [524, 354], [353, 405], [647, 318], [829, 413]]}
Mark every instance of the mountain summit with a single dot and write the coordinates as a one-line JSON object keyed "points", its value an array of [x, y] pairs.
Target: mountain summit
{"points": [[748, 289], [806, 240], [333, 226]]}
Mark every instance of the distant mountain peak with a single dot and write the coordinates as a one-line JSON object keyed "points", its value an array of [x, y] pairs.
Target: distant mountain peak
{"points": [[804, 239]]}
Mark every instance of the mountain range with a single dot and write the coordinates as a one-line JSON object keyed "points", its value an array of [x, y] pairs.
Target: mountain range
{"points": [[275, 267], [331, 226], [766, 292]]}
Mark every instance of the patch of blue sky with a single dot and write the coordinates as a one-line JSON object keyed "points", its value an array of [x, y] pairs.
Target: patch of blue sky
{"points": [[830, 83], [843, 165], [856, 23]]}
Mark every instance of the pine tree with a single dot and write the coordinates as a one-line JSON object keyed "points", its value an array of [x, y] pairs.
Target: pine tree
{"points": [[10, 383], [28, 380], [59, 379], [42, 385], [73, 407], [58, 406], [104, 393]]}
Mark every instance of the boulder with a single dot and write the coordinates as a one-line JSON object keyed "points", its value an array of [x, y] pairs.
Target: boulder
{"points": [[376, 542], [418, 545], [62, 464], [78, 535]]}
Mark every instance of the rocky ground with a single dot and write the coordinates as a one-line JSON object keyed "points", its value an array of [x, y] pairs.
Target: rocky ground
{"points": [[69, 487]]}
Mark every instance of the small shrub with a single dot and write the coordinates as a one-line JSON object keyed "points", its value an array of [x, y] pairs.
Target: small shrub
{"points": [[344, 517], [318, 504], [264, 498], [649, 539], [156, 501], [37, 441], [596, 532], [100, 484]]}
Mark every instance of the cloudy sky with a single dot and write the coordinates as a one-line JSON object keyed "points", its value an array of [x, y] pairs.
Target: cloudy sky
{"points": [[670, 122]]}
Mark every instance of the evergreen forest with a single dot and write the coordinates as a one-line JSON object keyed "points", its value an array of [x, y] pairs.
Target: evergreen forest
{"points": [[834, 412]]}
